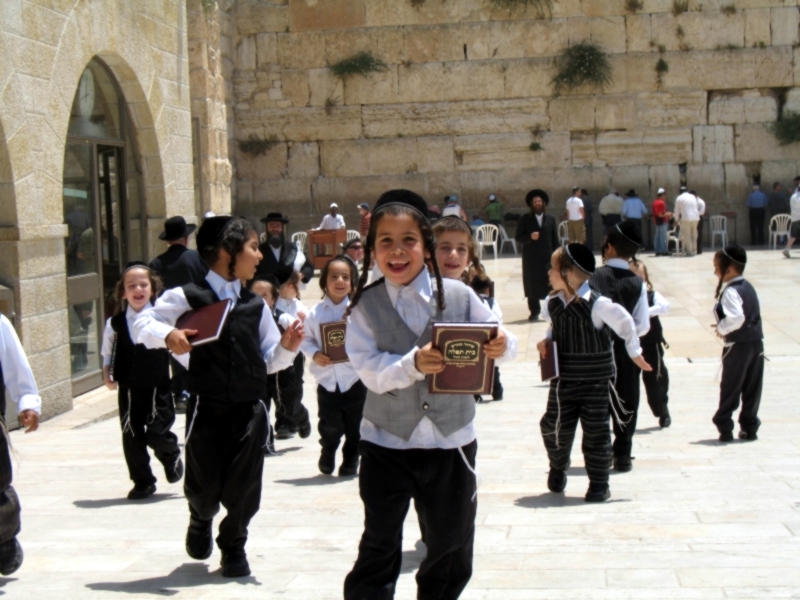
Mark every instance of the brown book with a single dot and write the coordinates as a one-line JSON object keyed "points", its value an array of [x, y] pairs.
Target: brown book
{"points": [[208, 321], [467, 369], [549, 364], [333, 335]]}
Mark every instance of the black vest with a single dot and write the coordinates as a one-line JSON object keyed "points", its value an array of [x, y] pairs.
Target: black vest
{"points": [[232, 369], [584, 352], [656, 333], [621, 286], [2, 396], [134, 365], [750, 331]]}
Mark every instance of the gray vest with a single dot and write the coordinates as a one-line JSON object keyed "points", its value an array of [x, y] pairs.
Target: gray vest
{"points": [[400, 411]]}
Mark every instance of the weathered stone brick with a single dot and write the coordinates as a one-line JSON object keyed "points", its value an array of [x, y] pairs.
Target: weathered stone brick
{"points": [[742, 107], [755, 142], [702, 30], [326, 14], [254, 16], [651, 146], [615, 112], [354, 158], [785, 26], [707, 180], [572, 113], [512, 150], [267, 49], [671, 109], [303, 160], [638, 33], [529, 77], [302, 124], [436, 43], [301, 50], [757, 27], [294, 83], [713, 144], [323, 86], [376, 88]]}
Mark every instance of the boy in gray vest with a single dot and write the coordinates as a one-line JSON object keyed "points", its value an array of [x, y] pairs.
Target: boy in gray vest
{"points": [[413, 444], [738, 323]]}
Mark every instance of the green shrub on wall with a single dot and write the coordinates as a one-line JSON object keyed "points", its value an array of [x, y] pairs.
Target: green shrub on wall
{"points": [[543, 8], [787, 129], [362, 64], [582, 64]]}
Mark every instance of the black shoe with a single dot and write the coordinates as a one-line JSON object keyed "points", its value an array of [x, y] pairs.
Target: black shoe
{"points": [[11, 556], [181, 401], [497, 399], [305, 429], [597, 492], [327, 461], [141, 491], [283, 433], [556, 481], [623, 464], [726, 436], [293, 428], [349, 466], [664, 421], [175, 475], [234, 563], [533, 317], [199, 542], [747, 437], [478, 398]]}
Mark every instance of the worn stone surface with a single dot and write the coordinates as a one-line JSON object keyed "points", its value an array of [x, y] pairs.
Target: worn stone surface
{"points": [[671, 110], [713, 144], [652, 146], [742, 107], [756, 143], [505, 151], [785, 26], [304, 124], [383, 157], [306, 15]]}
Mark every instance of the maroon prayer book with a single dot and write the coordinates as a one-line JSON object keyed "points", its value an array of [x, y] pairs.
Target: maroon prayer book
{"points": [[333, 335], [467, 369], [549, 364], [208, 321]]}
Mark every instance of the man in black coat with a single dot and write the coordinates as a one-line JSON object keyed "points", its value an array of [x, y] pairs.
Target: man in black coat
{"points": [[537, 235], [280, 254], [178, 266]]}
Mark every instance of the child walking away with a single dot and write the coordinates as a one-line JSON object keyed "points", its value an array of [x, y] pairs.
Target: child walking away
{"points": [[413, 444], [656, 382], [739, 324], [225, 445], [482, 286], [578, 318], [16, 377], [141, 378], [340, 393], [616, 282]]}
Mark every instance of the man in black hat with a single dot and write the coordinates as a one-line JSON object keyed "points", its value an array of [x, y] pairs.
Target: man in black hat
{"points": [[281, 256], [178, 266], [537, 235]]}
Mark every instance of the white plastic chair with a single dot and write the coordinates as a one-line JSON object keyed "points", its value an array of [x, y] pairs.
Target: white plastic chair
{"points": [[486, 235], [563, 233], [504, 239], [719, 227], [781, 224], [299, 240], [352, 234], [674, 235]]}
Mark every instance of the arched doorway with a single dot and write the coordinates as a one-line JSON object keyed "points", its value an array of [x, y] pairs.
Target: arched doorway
{"points": [[101, 193]]}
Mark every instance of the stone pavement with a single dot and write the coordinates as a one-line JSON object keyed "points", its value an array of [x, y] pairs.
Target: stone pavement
{"points": [[694, 519]]}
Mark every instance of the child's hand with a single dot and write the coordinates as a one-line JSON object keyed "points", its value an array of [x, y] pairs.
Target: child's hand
{"points": [[535, 236], [178, 342], [495, 348], [428, 360], [302, 316], [29, 419], [542, 348], [323, 360], [293, 336], [642, 363], [112, 385]]}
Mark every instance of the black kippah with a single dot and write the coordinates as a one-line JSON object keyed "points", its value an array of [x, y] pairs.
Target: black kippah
{"points": [[581, 256], [736, 253], [628, 230], [135, 264], [402, 198], [211, 231]]}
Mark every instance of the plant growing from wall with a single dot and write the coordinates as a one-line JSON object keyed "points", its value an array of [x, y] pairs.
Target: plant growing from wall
{"points": [[543, 8], [728, 9], [787, 128], [255, 145], [679, 6], [633, 6], [330, 103], [417, 3], [661, 67], [535, 147], [208, 6], [362, 64], [582, 64]]}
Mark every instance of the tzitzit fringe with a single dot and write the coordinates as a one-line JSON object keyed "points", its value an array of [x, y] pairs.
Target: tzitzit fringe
{"points": [[478, 478]]}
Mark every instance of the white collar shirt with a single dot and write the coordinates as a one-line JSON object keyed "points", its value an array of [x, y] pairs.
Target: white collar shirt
{"points": [[107, 347], [17, 373], [339, 374], [641, 311], [733, 307], [330, 221]]}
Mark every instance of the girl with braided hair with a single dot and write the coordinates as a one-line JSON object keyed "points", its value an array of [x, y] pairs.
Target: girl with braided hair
{"points": [[414, 444]]}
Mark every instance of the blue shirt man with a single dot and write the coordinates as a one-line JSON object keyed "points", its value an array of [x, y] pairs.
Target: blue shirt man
{"points": [[633, 207], [757, 198], [757, 202]]}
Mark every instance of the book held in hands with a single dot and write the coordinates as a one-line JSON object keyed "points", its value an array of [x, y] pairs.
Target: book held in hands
{"points": [[333, 335], [549, 364], [208, 321], [467, 369]]}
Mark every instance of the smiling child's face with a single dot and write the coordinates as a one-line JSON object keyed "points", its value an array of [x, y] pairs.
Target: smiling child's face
{"points": [[338, 283], [137, 288], [399, 248], [452, 253]]}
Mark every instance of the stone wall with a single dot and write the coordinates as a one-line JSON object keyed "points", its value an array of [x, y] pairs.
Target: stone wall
{"points": [[468, 89]]}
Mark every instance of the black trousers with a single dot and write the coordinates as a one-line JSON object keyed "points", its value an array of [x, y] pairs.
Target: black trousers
{"points": [[9, 501], [742, 377], [757, 217], [534, 306], [340, 415], [288, 395], [442, 487], [627, 385], [146, 416], [656, 382], [224, 465], [497, 388], [609, 221], [700, 236], [567, 403]]}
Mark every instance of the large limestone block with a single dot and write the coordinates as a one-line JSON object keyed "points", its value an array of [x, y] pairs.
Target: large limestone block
{"points": [[344, 43], [742, 107], [305, 15], [529, 77], [713, 144], [323, 86], [781, 171], [381, 13], [603, 8], [654, 146], [755, 142], [737, 186], [671, 110], [437, 43], [303, 160], [546, 37], [376, 88], [301, 50], [443, 184], [254, 16], [633, 72], [354, 190], [267, 49], [665, 176], [702, 30], [294, 83], [567, 8], [796, 73], [785, 26], [792, 100], [270, 165], [625, 178], [757, 27], [246, 53], [638, 32], [616, 112], [572, 113], [279, 194], [511, 150], [707, 180], [302, 124], [455, 118], [475, 187], [358, 158], [730, 69], [498, 39], [432, 82], [610, 33]]}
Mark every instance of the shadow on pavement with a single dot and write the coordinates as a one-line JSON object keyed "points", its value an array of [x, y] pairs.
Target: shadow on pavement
{"points": [[109, 502], [550, 500], [712, 442], [412, 559], [186, 576], [647, 430], [315, 480], [4, 581]]}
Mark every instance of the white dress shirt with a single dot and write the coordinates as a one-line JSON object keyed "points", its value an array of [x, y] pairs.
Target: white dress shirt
{"points": [[686, 208], [154, 324], [641, 312], [330, 221], [17, 372], [341, 374], [382, 372], [604, 311], [495, 307], [701, 206], [291, 307], [794, 206], [732, 306], [660, 306]]}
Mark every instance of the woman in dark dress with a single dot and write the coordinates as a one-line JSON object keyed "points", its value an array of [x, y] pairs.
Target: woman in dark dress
{"points": [[537, 235]]}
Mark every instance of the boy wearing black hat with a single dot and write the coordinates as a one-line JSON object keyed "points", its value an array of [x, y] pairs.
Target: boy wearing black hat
{"points": [[225, 444], [738, 317], [578, 318], [615, 281]]}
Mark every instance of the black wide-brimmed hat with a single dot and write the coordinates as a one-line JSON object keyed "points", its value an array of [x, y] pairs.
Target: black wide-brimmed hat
{"points": [[211, 231], [176, 228], [581, 256], [275, 216], [403, 198], [631, 193], [537, 192]]}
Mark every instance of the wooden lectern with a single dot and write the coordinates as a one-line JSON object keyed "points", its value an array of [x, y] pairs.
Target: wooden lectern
{"points": [[323, 245]]}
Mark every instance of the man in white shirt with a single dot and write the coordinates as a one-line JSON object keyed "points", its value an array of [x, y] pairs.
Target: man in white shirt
{"points": [[575, 217], [701, 210], [610, 209], [332, 220], [794, 231], [687, 215]]}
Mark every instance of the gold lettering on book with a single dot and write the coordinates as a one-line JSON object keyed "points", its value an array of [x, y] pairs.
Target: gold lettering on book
{"points": [[461, 353], [336, 337]]}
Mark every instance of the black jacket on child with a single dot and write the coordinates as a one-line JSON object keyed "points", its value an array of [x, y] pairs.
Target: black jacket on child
{"points": [[134, 365], [751, 330]]}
